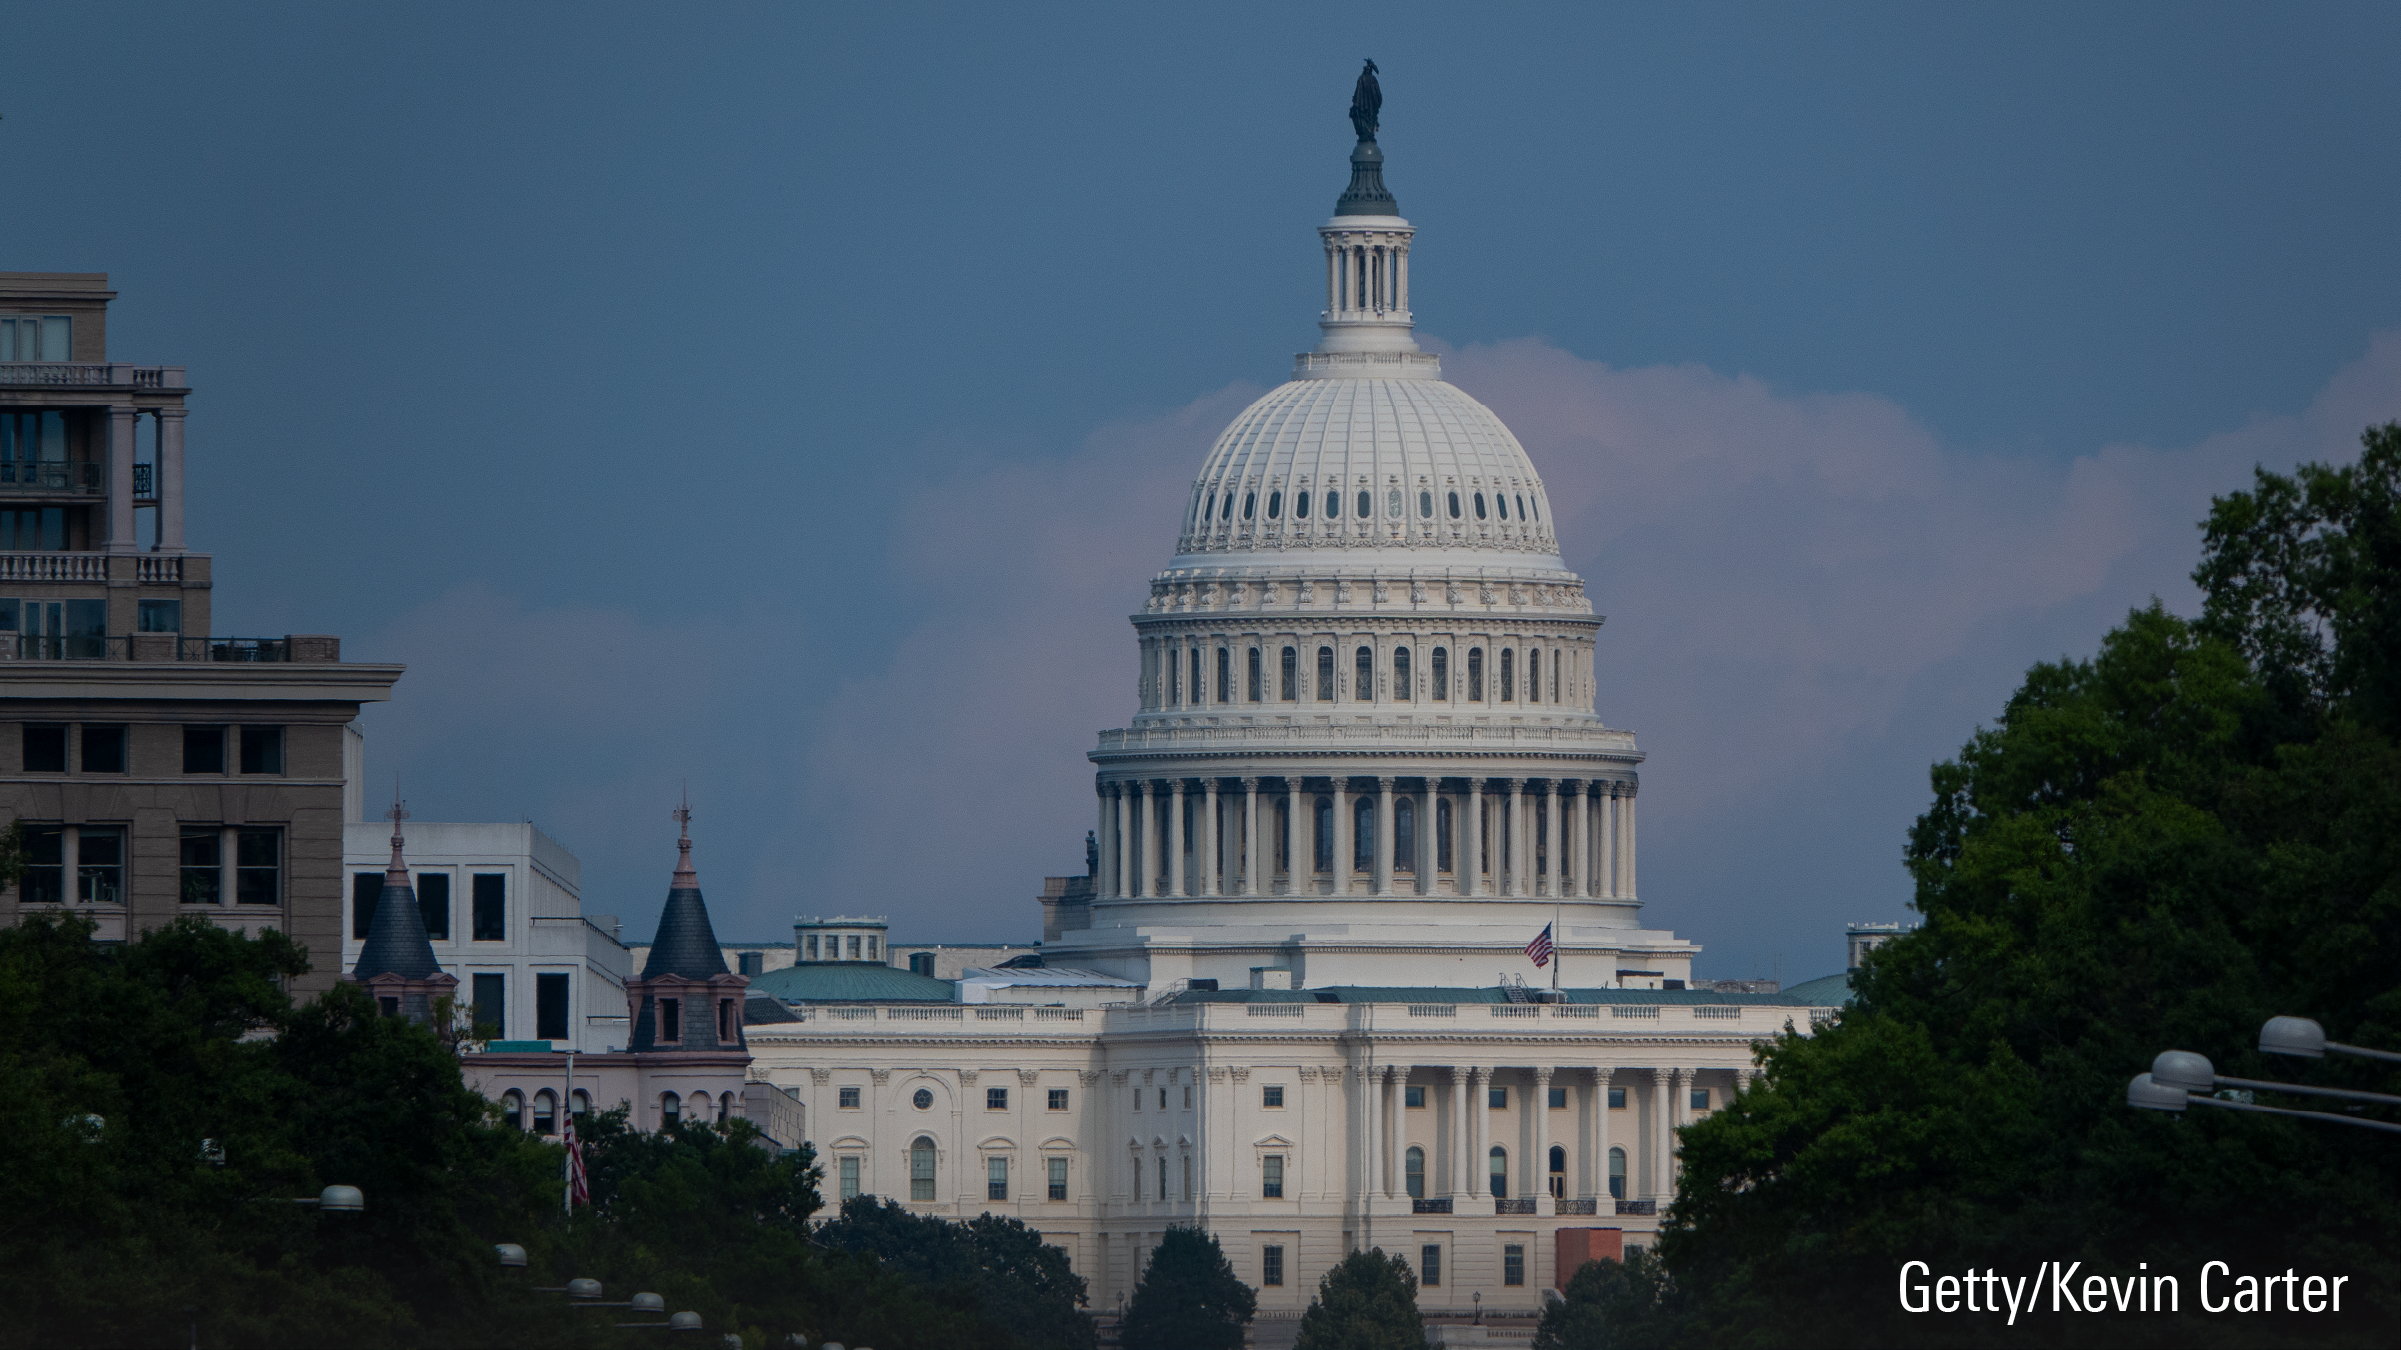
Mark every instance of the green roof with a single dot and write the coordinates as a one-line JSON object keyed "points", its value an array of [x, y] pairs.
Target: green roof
{"points": [[851, 982], [1826, 991]]}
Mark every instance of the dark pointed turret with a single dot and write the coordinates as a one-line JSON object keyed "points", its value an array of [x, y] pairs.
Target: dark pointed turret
{"points": [[685, 998], [686, 945], [397, 963]]}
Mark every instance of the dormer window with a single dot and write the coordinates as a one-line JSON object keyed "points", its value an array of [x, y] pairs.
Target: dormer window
{"points": [[671, 1019]]}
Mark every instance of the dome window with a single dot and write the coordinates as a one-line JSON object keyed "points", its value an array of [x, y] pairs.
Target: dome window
{"points": [[1392, 503], [1250, 503], [1333, 506], [1500, 501], [1508, 674], [1226, 510], [1454, 506], [1521, 506], [1479, 506], [1300, 505], [1367, 506], [1425, 505], [1402, 684], [1537, 508], [1325, 674], [1275, 505]]}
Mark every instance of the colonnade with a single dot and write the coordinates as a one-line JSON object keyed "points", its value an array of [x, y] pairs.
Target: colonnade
{"points": [[1561, 838]]}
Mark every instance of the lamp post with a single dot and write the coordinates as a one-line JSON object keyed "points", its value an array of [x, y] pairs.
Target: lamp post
{"points": [[2305, 1039], [587, 1294], [2180, 1078]]}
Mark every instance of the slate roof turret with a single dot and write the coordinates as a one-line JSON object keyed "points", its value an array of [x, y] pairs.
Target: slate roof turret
{"points": [[686, 945], [396, 941]]}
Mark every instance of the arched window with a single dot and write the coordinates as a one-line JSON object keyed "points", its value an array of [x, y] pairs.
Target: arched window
{"points": [[1508, 674], [1250, 503], [1404, 836], [1225, 675], [1534, 675], [1226, 512], [1558, 1172], [512, 1109], [1500, 502], [546, 1112], [1363, 834], [1479, 506], [1392, 503], [1617, 1174], [1275, 505], [1475, 674], [1403, 683], [1454, 506], [1500, 1173], [1255, 686], [921, 1169], [1425, 505], [1442, 834], [1537, 508], [579, 1105], [1324, 861], [1363, 675], [1366, 509], [1413, 1166], [1333, 505], [1442, 673], [1300, 504], [725, 1106], [671, 1110], [1521, 506], [1200, 691], [1325, 674], [1292, 674]]}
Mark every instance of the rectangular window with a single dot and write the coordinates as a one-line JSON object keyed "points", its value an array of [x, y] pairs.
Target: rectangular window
{"points": [[671, 1018], [996, 1099], [1271, 1176], [921, 1171], [204, 749], [1292, 675], [1475, 674], [1271, 1264], [1700, 1099], [1497, 1099], [1187, 1176], [158, 616], [854, 949], [491, 901], [1272, 1095], [1058, 1099], [1617, 1099], [725, 1021], [1162, 1177], [45, 748], [1200, 691], [1508, 675], [875, 948], [1442, 673], [45, 879], [1225, 675], [1513, 1264], [996, 1178], [812, 948], [490, 1000], [1058, 1178], [103, 747], [1325, 674], [1254, 689], [550, 1007], [752, 963], [1429, 1266], [1412, 1097], [366, 888], [847, 1098], [1403, 684], [36, 337], [849, 1171], [1558, 1099], [202, 873], [100, 865], [262, 749], [433, 904], [1137, 1099], [258, 866]]}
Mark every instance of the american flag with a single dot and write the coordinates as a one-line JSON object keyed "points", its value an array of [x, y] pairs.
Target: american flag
{"points": [[579, 1186], [1540, 948]]}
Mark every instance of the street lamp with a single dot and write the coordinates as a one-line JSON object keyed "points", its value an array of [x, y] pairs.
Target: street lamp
{"points": [[2305, 1039], [336, 1200], [2180, 1078]]}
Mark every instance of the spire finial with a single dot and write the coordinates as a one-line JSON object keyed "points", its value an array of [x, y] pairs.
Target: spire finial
{"points": [[398, 872], [684, 878]]}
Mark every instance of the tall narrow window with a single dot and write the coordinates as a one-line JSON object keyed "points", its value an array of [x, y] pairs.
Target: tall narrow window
{"points": [[850, 1177], [1324, 861], [257, 866], [671, 1110], [1333, 505], [1271, 1264], [1513, 1263], [1555, 677], [1363, 675], [44, 881], [1425, 505], [1187, 1176], [1058, 1178], [1414, 1168], [1292, 674], [1429, 1265], [433, 904], [1366, 509], [1534, 675], [1500, 1173], [100, 865], [1283, 836], [1475, 674], [1325, 674], [921, 1169], [1162, 1176], [1403, 684], [1617, 1174], [491, 907], [546, 1112], [1300, 505], [203, 873], [1454, 506], [550, 1006], [996, 1178], [1200, 692], [1508, 674], [1404, 836], [1442, 673], [489, 999], [1275, 505], [1250, 502], [1175, 678], [1225, 675], [1271, 1176], [1442, 834], [1363, 834], [1254, 681], [1479, 506], [1558, 1172], [1500, 502]]}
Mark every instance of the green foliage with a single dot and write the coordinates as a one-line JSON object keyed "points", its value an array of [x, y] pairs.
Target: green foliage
{"points": [[2163, 846], [1611, 1305], [997, 1266], [1368, 1301], [1189, 1298]]}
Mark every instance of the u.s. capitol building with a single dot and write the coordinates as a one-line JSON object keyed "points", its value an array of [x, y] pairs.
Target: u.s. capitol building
{"points": [[1293, 1002]]}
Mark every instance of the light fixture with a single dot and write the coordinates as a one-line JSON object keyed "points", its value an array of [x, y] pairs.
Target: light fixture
{"points": [[341, 1200], [510, 1253]]}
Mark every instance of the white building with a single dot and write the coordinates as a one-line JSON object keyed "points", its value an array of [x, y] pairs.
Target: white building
{"points": [[1366, 769]]}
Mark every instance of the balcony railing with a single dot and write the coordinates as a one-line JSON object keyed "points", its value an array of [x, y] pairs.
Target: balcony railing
{"points": [[48, 476], [1638, 1207], [1523, 1204], [142, 647], [79, 373], [1587, 1205], [1441, 1206]]}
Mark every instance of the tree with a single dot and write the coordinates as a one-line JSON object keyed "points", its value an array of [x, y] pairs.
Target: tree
{"points": [[1368, 1301], [1610, 1305], [1189, 1298], [998, 1266]]}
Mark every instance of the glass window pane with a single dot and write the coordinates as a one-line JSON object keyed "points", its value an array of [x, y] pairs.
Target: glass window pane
{"points": [[550, 1007], [366, 889], [100, 865], [490, 1001], [433, 904], [258, 866], [103, 748], [262, 749], [204, 749], [202, 854]]}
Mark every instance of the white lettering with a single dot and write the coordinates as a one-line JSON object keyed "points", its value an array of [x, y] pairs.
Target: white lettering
{"points": [[2167, 1294], [2206, 1305], [2125, 1293], [1946, 1294], [2313, 1293], [2246, 1294], [2014, 1291], [1922, 1304], [2339, 1282], [2096, 1290]]}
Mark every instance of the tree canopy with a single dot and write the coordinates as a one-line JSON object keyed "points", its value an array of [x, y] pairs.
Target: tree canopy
{"points": [[1368, 1301], [1189, 1298], [2159, 847]]}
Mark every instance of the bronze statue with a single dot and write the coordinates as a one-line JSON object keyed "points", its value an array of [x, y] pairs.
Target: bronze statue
{"points": [[1367, 99]]}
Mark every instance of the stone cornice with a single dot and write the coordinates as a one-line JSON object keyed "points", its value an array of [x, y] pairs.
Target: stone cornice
{"points": [[262, 681]]}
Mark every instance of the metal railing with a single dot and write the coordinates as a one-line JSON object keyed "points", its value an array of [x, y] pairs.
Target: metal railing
{"points": [[1588, 1205], [1441, 1206], [1638, 1207], [29, 475], [141, 647], [1523, 1204]]}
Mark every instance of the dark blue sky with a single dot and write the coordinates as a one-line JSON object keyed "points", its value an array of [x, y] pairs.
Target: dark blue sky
{"points": [[608, 364]]}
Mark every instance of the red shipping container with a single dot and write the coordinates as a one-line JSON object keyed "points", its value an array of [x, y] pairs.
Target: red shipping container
{"points": [[1579, 1245]]}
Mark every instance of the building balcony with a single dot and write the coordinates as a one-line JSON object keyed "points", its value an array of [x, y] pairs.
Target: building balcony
{"points": [[1638, 1207], [49, 478], [155, 568], [90, 374], [160, 647], [1522, 1204]]}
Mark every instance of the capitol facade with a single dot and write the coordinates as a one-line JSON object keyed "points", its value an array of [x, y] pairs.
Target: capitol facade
{"points": [[1295, 1002]]}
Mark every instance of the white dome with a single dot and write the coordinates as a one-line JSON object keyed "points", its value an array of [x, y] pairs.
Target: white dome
{"points": [[1435, 470]]}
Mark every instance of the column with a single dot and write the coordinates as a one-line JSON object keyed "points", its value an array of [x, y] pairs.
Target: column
{"points": [[1598, 1183], [1343, 844], [1371, 1129], [1395, 1103], [1538, 1167], [1662, 1083], [1124, 862], [1625, 814], [1428, 819], [1554, 881], [1403, 266], [1303, 824], [1608, 809], [1519, 866], [170, 480], [1333, 284], [1461, 1084], [1468, 855], [1579, 846], [1680, 1106], [1175, 837], [1252, 851], [1146, 802], [123, 421], [1107, 835], [1212, 857], [1382, 871]]}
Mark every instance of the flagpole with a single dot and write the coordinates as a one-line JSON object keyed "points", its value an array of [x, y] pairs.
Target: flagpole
{"points": [[1558, 948], [567, 1114]]}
